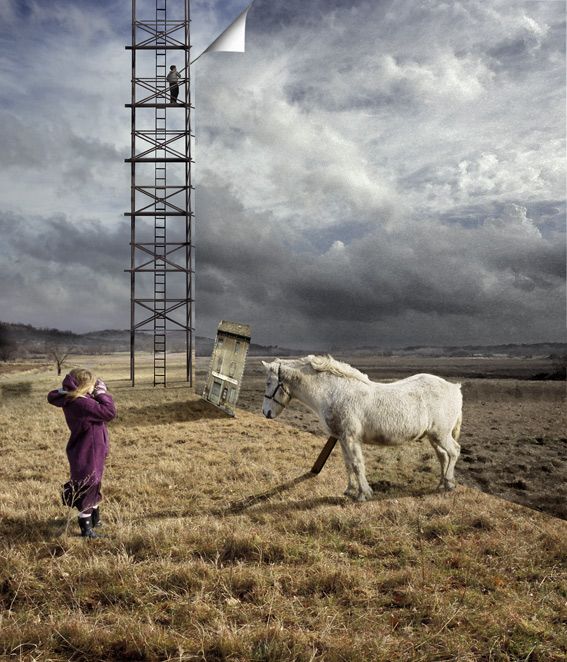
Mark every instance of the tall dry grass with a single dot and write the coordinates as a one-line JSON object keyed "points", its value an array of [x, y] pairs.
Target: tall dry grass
{"points": [[219, 547]]}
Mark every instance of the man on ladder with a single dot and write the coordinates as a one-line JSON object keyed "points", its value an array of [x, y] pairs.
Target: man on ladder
{"points": [[173, 78]]}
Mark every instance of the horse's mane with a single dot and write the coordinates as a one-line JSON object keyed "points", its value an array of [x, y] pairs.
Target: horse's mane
{"points": [[334, 367]]}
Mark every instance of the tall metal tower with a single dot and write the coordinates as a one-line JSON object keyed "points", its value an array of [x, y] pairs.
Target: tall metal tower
{"points": [[161, 217]]}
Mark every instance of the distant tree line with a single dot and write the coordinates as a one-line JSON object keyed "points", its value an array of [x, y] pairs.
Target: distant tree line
{"points": [[24, 341], [8, 346]]}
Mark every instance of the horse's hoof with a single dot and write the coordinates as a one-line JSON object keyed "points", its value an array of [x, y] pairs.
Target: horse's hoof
{"points": [[364, 496], [351, 493]]}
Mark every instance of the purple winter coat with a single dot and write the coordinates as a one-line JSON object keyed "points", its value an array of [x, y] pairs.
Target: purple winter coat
{"points": [[86, 417]]}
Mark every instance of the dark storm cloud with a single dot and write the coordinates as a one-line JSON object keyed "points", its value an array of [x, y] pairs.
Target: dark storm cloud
{"points": [[272, 17], [524, 52], [63, 272], [505, 269], [60, 240]]}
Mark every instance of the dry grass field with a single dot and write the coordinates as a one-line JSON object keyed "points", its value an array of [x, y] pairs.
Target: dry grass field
{"points": [[220, 545]]}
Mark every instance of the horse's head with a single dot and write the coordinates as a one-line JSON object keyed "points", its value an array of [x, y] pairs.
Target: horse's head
{"points": [[277, 394]]}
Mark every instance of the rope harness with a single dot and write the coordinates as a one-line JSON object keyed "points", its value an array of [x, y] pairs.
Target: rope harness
{"points": [[282, 386]]}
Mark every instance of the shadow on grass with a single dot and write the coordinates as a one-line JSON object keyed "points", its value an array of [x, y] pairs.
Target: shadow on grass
{"points": [[166, 514], [302, 505], [32, 529], [169, 412], [243, 504], [16, 390], [383, 490]]}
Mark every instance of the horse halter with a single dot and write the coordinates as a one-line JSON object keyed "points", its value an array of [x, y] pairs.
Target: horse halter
{"points": [[280, 385]]}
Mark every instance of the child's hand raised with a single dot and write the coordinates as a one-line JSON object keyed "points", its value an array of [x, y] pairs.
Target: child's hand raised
{"points": [[99, 387]]}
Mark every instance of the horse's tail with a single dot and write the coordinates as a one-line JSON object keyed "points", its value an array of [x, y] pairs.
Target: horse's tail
{"points": [[456, 431]]}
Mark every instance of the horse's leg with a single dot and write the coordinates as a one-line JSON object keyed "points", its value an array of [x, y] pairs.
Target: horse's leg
{"points": [[358, 487], [453, 450], [365, 492], [352, 487], [442, 456], [447, 451]]}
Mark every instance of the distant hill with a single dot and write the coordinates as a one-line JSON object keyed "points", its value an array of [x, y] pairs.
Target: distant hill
{"points": [[525, 350], [25, 339]]}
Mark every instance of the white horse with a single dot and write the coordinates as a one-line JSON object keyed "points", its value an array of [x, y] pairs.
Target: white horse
{"points": [[355, 409]]}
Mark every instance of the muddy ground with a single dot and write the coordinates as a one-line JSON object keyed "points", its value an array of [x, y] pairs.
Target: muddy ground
{"points": [[514, 434]]}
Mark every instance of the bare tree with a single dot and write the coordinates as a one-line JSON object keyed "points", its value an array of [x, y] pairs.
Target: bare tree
{"points": [[59, 355]]}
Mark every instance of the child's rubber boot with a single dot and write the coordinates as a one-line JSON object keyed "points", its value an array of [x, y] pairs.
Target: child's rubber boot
{"points": [[86, 525], [95, 518]]}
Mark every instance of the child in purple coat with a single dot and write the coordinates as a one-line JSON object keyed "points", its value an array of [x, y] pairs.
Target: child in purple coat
{"points": [[87, 408]]}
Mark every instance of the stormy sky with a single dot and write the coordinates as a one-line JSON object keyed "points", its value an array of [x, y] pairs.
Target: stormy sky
{"points": [[368, 173]]}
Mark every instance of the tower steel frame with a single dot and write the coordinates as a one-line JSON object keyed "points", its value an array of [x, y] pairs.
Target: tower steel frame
{"points": [[165, 250]]}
